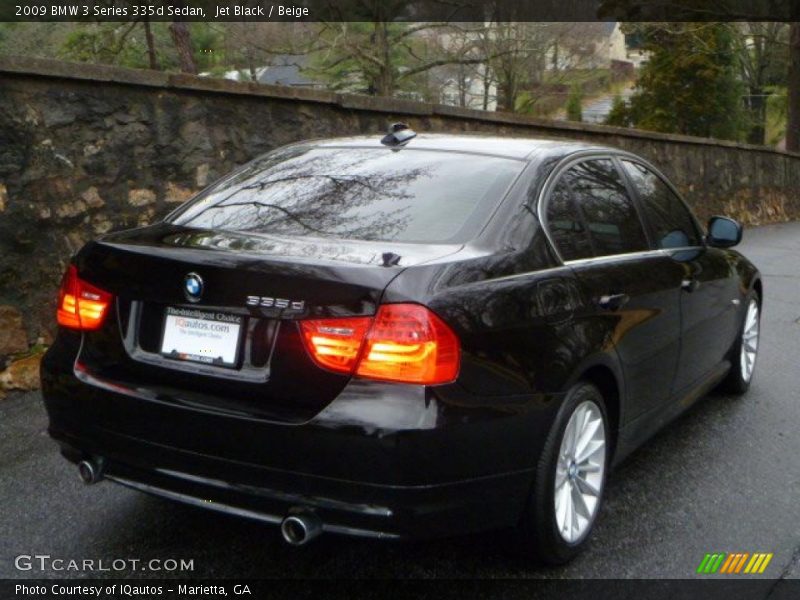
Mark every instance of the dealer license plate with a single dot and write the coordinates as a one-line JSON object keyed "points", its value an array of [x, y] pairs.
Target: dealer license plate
{"points": [[200, 336]]}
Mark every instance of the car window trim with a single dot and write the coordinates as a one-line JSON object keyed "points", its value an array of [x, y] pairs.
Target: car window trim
{"points": [[552, 180], [650, 227], [636, 201], [638, 254]]}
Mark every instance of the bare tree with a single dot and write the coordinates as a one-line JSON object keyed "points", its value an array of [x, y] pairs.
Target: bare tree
{"points": [[182, 39], [519, 54], [465, 84], [383, 56], [151, 45], [758, 46], [507, 60], [250, 45]]}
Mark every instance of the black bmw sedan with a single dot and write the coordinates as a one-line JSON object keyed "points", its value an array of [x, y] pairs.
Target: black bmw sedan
{"points": [[401, 338]]}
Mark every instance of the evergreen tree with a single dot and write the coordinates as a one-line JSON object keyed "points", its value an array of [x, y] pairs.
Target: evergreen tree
{"points": [[619, 115], [689, 83]]}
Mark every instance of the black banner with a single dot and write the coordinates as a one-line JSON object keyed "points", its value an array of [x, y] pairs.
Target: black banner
{"points": [[399, 10], [533, 589]]}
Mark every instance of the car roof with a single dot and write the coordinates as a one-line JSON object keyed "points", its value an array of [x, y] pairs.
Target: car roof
{"points": [[509, 147]]}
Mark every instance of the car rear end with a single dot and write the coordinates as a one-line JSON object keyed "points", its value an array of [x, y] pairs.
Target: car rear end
{"points": [[238, 356]]}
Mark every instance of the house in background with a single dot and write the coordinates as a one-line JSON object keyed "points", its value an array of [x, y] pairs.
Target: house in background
{"points": [[634, 52], [285, 69], [564, 47], [587, 46], [614, 47]]}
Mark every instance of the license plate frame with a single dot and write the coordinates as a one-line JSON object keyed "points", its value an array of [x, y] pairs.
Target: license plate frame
{"points": [[204, 337]]}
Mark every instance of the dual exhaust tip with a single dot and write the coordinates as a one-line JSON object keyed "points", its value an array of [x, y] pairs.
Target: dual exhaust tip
{"points": [[300, 528], [297, 529], [91, 470]]}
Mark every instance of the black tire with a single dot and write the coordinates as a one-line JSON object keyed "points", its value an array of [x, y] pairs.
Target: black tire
{"points": [[539, 530], [735, 382]]}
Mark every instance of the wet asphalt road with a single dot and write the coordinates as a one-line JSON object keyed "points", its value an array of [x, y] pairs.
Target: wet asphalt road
{"points": [[723, 477]]}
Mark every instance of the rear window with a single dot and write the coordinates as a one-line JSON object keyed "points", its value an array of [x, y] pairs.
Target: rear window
{"points": [[354, 193]]}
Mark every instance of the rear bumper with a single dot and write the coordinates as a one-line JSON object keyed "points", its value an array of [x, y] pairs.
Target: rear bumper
{"points": [[348, 507], [381, 460]]}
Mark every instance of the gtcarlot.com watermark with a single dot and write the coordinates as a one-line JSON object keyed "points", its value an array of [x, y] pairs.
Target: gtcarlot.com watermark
{"points": [[40, 563]]}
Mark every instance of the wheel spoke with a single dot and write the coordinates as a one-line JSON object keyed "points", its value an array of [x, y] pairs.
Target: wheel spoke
{"points": [[586, 487], [567, 446], [587, 435], [576, 527], [570, 509], [561, 501], [580, 423], [591, 449], [561, 477], [587, 467], [581, 507], [573, 433]]}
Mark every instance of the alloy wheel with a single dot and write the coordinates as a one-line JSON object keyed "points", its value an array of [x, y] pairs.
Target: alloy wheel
{"points": [[579, 472], [749, 341]]}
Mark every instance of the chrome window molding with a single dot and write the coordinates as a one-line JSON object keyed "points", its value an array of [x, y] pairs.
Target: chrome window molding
{"points": [[552, 179], [615, 257]]}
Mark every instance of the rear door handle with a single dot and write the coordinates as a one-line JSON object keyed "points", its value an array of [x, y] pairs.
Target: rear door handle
{"points": [[612, 301], [690, 285]]}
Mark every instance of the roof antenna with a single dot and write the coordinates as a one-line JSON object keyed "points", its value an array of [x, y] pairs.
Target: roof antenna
{"points": [[390, 259], [399, 133]]}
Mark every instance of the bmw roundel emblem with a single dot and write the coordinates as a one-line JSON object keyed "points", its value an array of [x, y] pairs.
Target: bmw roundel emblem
{"points": [[193, 287]]}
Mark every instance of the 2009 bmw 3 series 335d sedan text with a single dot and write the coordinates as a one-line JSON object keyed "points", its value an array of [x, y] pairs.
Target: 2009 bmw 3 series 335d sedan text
{"points": [[404, 337]]}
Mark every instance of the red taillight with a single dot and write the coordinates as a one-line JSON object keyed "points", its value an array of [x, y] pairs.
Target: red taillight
{"points": [[335, 343], [409, 343], [403, 342], [80, 304]]}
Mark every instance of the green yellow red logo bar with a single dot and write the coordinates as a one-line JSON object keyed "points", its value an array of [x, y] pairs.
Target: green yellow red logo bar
{"points": [[734, 563]]}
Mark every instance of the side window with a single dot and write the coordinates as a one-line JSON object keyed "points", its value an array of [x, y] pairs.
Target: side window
{"points": [[672, 222], [565, 225], [610, 215]]}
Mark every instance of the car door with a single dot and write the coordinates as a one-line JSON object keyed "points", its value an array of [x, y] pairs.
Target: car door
{"points": [[708, 283], [594, 223]]}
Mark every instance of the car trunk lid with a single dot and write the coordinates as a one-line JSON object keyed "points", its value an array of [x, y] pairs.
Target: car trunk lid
{"points": [[256, 288]]}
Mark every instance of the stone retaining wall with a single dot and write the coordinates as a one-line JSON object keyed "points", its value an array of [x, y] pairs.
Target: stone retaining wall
{"points": [[85, 149]]}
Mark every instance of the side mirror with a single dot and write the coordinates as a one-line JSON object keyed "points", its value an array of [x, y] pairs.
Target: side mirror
{"points": [[723, 232]]}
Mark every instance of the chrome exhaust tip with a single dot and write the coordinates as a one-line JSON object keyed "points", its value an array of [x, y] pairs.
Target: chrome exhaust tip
{"points": [[299, 529], [90, 471]]}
